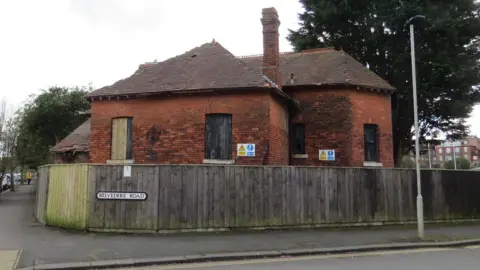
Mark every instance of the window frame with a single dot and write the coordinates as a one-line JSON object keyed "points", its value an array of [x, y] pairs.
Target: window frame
{"points": [[302, 150], [366, 145], [129, 144]]}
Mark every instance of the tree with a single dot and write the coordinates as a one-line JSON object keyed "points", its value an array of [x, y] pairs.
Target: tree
{"points": [[462, 164], [46, 119], [373, 32], [8, 143], [407, 162]]}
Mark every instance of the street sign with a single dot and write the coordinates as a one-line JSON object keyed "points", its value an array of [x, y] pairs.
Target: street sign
{"points": [[326, 155], [135, 196], [246, 150]]}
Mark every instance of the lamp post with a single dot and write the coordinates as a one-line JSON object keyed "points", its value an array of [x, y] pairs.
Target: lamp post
{"points": [[420, 224], [429, 156], [454, 148]]}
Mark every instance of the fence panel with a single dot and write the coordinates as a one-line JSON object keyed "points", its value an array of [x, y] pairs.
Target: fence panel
{"points": [[68, 199], [124, 214]]}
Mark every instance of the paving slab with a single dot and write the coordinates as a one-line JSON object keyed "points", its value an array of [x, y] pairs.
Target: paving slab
{"points": [[8, 259]]}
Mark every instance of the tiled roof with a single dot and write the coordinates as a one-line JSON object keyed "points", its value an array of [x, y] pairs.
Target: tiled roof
{"points": [[322, 67], [209, 66], [77, 141]]}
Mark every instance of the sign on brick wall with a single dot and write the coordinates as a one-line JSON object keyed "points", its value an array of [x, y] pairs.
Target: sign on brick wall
{"points": [[246, 150], [326, 155]]}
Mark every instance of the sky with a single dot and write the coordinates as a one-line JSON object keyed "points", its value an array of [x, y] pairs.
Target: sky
{"points": [[78, 42]]}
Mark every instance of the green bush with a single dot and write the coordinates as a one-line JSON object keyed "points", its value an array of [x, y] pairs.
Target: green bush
{"points": [[462, 164]]}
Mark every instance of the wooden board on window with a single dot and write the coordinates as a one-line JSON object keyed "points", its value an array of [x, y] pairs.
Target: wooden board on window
{"points": [[218, 136], [119, 138]]}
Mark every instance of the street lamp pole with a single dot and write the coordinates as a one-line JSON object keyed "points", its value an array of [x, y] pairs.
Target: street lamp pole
{"points": [[420, 224], [429, 157], [454, 155]]}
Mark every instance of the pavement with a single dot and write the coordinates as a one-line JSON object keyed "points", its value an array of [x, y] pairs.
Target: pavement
{"points": [[45, 247]]}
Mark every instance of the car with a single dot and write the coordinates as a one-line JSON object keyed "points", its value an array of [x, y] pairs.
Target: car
{"points": [[6, 182]]}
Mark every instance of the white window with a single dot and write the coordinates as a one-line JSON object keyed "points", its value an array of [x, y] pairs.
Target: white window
{"points": [[465, 149], [457, 149], [448, 158], [449, 150], [475, 157], [440, 150], [434, 158], [465, 156], [440, 158]]}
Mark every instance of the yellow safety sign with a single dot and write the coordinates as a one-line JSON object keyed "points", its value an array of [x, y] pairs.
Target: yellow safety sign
{"points": [[241, 151], [323, 155]]}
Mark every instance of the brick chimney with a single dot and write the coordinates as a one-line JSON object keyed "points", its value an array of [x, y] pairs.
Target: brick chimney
{"points": [[271, 55]]}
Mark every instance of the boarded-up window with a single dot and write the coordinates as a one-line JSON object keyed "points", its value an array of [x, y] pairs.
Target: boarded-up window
{"points": [[122, 132], [218, 136], [370, 142]]}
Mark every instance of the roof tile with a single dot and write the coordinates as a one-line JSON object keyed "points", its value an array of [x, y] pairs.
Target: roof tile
{"points": [[209, 66], [322, 67], [77, 141]]}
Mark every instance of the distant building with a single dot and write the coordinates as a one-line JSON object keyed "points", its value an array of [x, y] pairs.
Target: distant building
{"points": [[468, 148]]}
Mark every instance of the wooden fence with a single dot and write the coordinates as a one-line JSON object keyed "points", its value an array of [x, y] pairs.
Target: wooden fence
{"points": [[205, 197]]}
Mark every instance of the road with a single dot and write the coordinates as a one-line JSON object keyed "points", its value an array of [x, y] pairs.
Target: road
{"points": [[46, 245], [426, 259]]}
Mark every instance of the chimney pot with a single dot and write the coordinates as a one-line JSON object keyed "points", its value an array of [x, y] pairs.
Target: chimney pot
{"points": [[271, 54]]}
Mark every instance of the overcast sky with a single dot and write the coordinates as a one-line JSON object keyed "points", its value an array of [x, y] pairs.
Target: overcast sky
{"points": [[77, 42]]}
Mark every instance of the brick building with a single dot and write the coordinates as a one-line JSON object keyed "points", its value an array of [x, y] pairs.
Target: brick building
{"points": [[197, 107], [468, 148]]}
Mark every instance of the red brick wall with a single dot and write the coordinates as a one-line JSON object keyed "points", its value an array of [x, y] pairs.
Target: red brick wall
{"points": [[333, 120], [327, 115], [372, 108], [179, 125], [278, 150]]}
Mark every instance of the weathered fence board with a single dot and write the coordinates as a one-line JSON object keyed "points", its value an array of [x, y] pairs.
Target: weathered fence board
{"points": [[42, 193]]}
